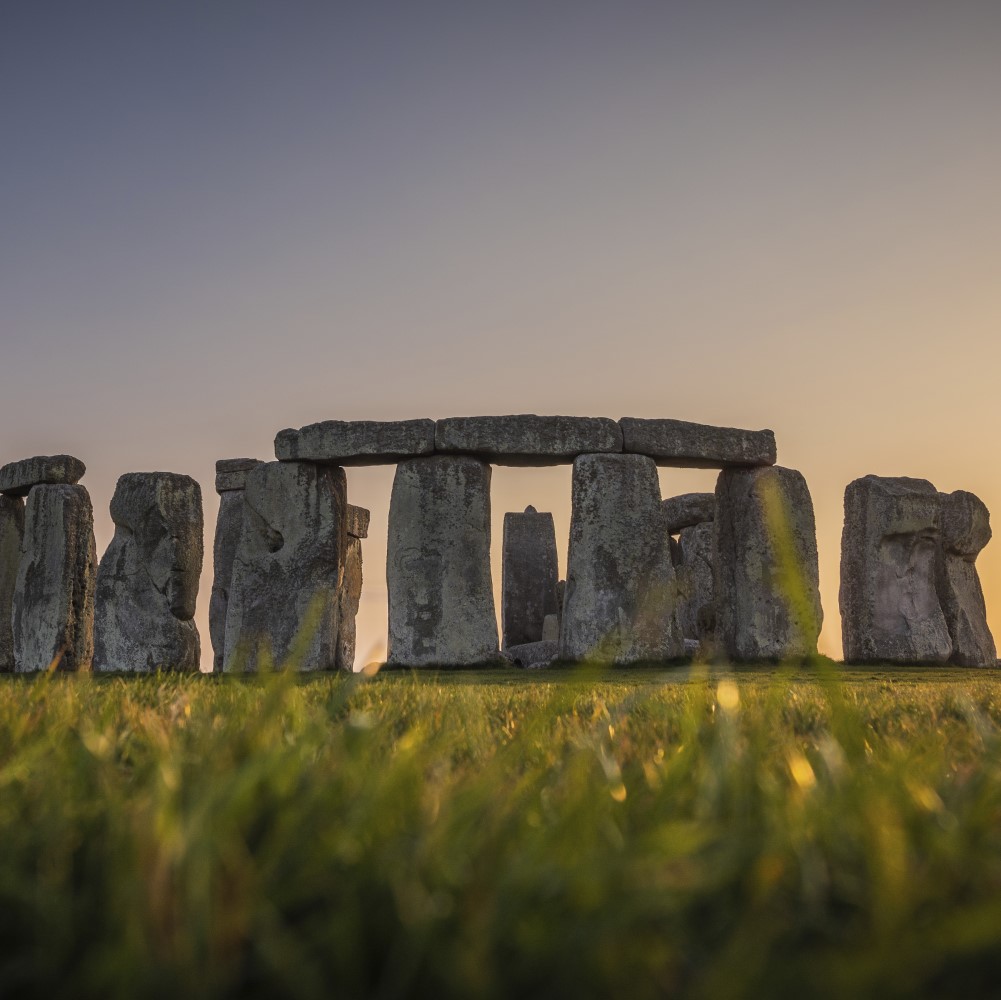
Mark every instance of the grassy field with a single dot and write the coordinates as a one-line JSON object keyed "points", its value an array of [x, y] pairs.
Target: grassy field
{"points": [[634, 834]]}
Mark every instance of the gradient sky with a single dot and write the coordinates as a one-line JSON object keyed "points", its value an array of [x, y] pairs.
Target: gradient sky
{"points": [[222, 219]]}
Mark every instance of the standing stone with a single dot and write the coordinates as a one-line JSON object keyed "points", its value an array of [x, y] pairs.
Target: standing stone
{"points": [[230, 482], [966, 529], [147, 582], [288, 568], [11, 539], [621, 591], [890, 609], [766, 577], [349, 596], [53, 616], [529, 574], [441, 601], [696, 608]]}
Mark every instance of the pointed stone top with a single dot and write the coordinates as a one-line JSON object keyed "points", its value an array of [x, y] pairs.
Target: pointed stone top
{"points": [[530, 510]]}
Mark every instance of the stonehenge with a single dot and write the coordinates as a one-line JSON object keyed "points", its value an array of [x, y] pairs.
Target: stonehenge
{"points": [[765, 569], [441, 599], [690, 516], [52, 619], [11, 538], [910, 592], [731, 574], [529, 575], [230, 482], [621, 591], [287, 569], [349, 595], [147, 580], [966, 530]]}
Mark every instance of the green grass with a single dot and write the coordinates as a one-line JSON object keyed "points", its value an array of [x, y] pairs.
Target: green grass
{"points": [[633, 834]]}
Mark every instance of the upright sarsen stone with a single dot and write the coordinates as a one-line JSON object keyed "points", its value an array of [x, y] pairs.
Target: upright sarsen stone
{"points": [[441, 602], [529, 575], [621, 592], [966, 529], [890, 608], [147, 582], [349, 596], [288, 568], [230, 482], [11, 539], [767, 592], [53, 616]]}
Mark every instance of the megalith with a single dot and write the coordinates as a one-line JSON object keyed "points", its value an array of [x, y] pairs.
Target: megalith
{"points": [[621, 592], [696, 606], [441, 602], [890, 608], [230, 482], [11, 539], [529, 575], [966, 529], [147, 581], [287, 569], [53, 614], [765, 571], [349, 595]]}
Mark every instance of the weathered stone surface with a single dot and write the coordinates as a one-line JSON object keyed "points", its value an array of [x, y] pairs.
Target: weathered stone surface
{"points": [[11, 539], [697, 446], [766, 579], [551, 628], [696, 607], [526, 439], [357, 442], [17, 478], [533, 654], [283, 598], [228, 525], [441, 602], [621, 591], [689, 509], [53, 616], [348, 599], [147, 582], [529, 574], [890, 609], [966, 529], [231, 473], [357, 523]]}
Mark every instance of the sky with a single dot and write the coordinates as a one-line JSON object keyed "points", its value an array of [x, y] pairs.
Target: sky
{"points": [[220, 220]]}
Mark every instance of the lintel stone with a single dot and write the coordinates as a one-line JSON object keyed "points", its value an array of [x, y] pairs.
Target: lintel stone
{"points": [[356, 442], [17, 478], [526, 439], [696, 446]]}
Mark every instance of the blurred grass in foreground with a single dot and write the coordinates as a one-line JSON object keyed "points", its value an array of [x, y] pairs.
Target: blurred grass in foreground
{"points": [[631, 834]]}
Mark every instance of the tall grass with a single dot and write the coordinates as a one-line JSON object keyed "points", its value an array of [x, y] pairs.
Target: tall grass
{"points": [[602, 835]]}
